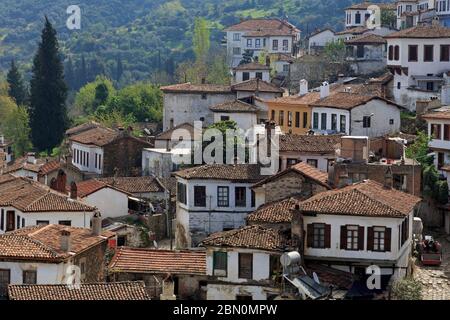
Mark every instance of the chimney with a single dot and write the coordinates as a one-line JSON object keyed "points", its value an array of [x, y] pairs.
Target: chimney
{"points": [[388, 179], [324, 90], [297, 226], [303, 87], [31, 157], [97, 224], [65, 241], [342, 176], [73, 190]]}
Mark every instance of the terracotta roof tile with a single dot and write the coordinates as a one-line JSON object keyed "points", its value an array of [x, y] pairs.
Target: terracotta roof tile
{"points": [[49, 167], [140, 260], [348, 100], [354, 31], [367, 4], [98, 136], [22, 163], [196, 88], [429, 31], [131, 290], [167, 135], [441, 113], [252, 66], [274, 212], [134, 184], [30, 196], [310, 143], [367, 198], [265, 26], [232, 172], [42, 243], [254, 237], [83, 127], [367, 39], [234, 106], [85, 188], [256, 85]]}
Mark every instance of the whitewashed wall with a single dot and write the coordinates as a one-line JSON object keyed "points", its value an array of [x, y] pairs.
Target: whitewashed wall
{"points": [[111, 203]]}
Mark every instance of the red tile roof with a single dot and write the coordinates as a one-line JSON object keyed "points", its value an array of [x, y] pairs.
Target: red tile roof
{"points": [[310, 143], [134, 184], [98, 136], [366, 198], [441, 113], [140, 260], [366, 4], [274, 212], [265, 27], [234, 106], [130, 290], [254, 85], [196, 88], [252, 66], [30, 196], [348, 100], [252, 237], [49, 167], [367, 39], [231, 172], [421, 32], [42, 243]]}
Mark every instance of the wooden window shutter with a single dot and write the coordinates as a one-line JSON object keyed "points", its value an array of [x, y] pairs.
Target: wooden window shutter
{"points": [[310, 235], [360, 238], [343, 237], [387, 239], [370, 238], [327, 236]]}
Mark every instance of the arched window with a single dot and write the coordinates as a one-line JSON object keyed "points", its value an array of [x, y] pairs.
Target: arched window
{"points": [[357, 18], [391, 52], [397, 53]]}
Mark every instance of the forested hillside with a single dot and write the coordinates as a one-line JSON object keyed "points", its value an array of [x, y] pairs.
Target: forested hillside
{"points": [[134, 39]]}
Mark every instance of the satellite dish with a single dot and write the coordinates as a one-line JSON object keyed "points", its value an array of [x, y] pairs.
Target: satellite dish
{"points": [[316, 278]]}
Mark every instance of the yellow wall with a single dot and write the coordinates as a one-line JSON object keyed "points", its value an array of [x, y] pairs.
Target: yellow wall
{"points": [[285, 108]]}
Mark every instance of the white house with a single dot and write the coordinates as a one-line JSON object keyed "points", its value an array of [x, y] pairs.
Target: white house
{"points": [[186, 103], [411, 13], [162, 162], [418, 57], [358, 15], [212, 198], [363, 224], [354, 112], [261, 35], [6, 150], [28, 203], [242, 263], [438, 122], [145, 187], [251, 70], [366, 53], [110, 201], [319, 39], [48, 254], [244, 114]]}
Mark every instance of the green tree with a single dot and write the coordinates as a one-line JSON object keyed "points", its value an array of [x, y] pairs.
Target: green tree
{"points": [[16, 128], [200, 40], [48, 114], [218, 72], [114, 119], [7, 105], [419, 149], [247, 57], [388, 18], [17, 89], [93, 95], [101, 95]]}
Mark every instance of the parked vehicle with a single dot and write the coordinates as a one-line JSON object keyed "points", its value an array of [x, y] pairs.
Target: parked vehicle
{"points": [[430, 252]]}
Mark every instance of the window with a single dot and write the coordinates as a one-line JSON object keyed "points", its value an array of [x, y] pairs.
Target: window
{"points": [[391, 52], [334, 122], [379, 234], [245, 265], [272, 115], [358, 18], [297, 119], [445, 52], [366, 121], [5, 279], [65, 222], [412, 53], [399, 85], [29, 277], [220, 264], [245, 76], [253, 198], [121, 241], [436, 131], [360, 51], [23, 222], [42, 222], [305, 119], [224, 118], [200, 196], [391, 121], [428, 53], [281, 118], [222, 196], [249, 43], [257, 43], [285, 45], [342, 121], [10, 220], [312, 162], [289, 119], [323, 121], [236, 36], [408, 8], [99, 161], [204, 96], [237, 51], [2, 220], [352, 237], [315, 120], [318, 235], [430, 86], [259, 75], [240, 196], [275, 45], [404, 235], [181, 192], [285, 68], [397, 53], [290, 162]]}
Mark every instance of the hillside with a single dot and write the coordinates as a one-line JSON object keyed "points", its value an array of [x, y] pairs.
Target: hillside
{"points": [[142, 35]]}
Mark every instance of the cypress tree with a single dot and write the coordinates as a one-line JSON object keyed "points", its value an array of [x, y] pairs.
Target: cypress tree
{"points": [[16, 88], [119, 69], [48, 114]]}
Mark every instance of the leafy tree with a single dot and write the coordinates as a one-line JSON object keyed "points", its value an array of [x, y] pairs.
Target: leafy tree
{"points": [[7, 105], [17, 89], [336, 51], [419, 149], [247, 57], [430, 177], [441, 192], [48, 116], [200, 40], [16, 127], [101, 95], [218, 72], [388, 18], [114, 119], [94, 94]]}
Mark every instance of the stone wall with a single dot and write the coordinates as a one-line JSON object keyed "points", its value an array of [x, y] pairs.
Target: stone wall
{"points": [[125, 154], [157, 223], [94, 260]]}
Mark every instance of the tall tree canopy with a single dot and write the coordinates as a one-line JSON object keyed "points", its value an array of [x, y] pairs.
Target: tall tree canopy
{"points": [[200, 41], [48, 114], [16, 89]]}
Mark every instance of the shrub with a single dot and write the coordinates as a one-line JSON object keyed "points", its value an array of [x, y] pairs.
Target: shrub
{"points": [[407, 289]]}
